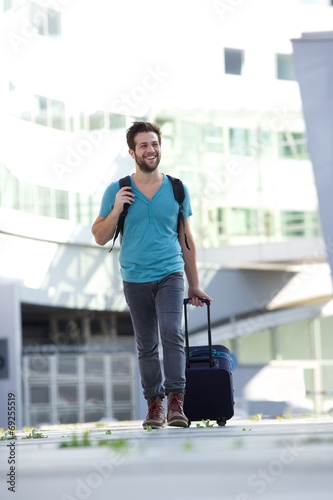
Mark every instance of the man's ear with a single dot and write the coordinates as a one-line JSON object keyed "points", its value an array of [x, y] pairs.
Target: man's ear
{"points": [[131, 152]]}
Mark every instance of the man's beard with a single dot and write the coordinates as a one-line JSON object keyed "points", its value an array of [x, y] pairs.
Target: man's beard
{"points": [[144, 166]]}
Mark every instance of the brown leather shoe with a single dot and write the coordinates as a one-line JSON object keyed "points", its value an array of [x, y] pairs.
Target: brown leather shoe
{"points": [[175, 415], [156, 416]]}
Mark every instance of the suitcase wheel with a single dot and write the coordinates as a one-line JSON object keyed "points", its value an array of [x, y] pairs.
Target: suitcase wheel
{"points": [[221, 421]]}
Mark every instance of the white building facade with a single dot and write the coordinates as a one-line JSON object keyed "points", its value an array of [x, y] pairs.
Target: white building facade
{"points": [[230, 112]]}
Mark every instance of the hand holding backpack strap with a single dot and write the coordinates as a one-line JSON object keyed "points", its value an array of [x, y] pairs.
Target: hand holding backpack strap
{"points": [[124, 181]]}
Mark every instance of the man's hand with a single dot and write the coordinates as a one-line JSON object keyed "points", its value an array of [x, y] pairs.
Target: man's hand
{"points": [[104, 227], [124, 195], [195, 293]]}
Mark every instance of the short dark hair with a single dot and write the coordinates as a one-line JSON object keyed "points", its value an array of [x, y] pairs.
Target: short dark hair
{"points": [[139, 127]]}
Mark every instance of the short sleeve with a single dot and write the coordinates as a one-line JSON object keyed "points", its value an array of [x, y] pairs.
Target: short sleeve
{"points": [[108, 199], [187, 210]]}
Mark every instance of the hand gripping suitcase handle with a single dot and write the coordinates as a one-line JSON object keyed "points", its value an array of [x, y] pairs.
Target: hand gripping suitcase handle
{"points": [[207, 302]]}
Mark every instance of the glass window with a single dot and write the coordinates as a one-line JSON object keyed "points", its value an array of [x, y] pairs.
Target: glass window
{"points": [[242, 141], [94, 365], [96, 121], [72, 124], [38, 18], [117, 121], [82, 121], [167, 128], [40, 417], [39, 365], [312, 224], [76, 207], [83, 208], [44, 205], [58, 114], [285, 67], [121, 366], [67, 365], [54, 23], [244, 221], [93, 415], [310, 386], [6, 5], [292, 145], [40, 395], [190, 135], [62, 209], [123, 414], [327, 384], [45, 22], [121, 392], [213, 138], [255, 348], [42, 103], [265, 144], [40, 110], [292, 223], [233, 61], [67, 394], [9, 189], [94, 394], [67, 417], [327, 377], [221, 220], [27, 197], [326, 328], [296, 340]]}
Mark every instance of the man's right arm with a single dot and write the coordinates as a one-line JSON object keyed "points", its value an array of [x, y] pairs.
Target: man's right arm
{"points": [[104, 227]]}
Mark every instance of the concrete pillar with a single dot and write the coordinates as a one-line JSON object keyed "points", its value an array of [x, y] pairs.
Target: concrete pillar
{"points": [[10, 353], [313, 55]]}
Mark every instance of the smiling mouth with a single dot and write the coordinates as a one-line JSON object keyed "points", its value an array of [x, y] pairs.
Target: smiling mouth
{"points": [[150, 157]]}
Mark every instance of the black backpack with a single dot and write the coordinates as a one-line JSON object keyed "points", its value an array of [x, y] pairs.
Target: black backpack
{"points": [[179, 194]]}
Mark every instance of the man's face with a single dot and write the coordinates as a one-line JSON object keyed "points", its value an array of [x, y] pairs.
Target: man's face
{"points": [[147, 152]]}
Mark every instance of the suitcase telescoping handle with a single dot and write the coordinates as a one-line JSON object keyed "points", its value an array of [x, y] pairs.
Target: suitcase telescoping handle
{"points": [[207, 302]]}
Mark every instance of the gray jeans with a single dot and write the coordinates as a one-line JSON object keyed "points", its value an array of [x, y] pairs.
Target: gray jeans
{"points": [[157, 307]]}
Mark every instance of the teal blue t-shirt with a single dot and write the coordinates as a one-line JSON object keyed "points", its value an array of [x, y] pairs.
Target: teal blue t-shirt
{"points": [[150, 247]]}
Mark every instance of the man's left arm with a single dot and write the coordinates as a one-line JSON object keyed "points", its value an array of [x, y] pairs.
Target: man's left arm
{"points": [[191, 271]]}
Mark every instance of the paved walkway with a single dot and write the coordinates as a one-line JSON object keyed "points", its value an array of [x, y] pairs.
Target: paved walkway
{"points": [[246, 459]]}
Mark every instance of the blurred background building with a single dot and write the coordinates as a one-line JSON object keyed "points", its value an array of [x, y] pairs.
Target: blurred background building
{"points": [[218, 77]]}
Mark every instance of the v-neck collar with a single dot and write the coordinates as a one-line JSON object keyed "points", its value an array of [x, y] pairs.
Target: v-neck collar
{"points": [[142, 194]]}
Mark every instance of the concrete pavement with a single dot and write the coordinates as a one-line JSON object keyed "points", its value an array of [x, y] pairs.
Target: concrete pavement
{"points": [[246, 459]]}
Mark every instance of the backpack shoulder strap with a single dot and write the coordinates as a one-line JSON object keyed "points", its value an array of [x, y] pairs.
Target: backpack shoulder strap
{"points": [[179, 194], [124, 181]]}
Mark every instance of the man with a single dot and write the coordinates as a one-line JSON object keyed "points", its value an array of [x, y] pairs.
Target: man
{"points": [[152, 258]]}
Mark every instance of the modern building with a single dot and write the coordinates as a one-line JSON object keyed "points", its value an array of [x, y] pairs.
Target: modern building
{"points": [[230, 111]]}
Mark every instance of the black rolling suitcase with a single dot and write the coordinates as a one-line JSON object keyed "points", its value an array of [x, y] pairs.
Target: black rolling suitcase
{"points": [[209, 386]]}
